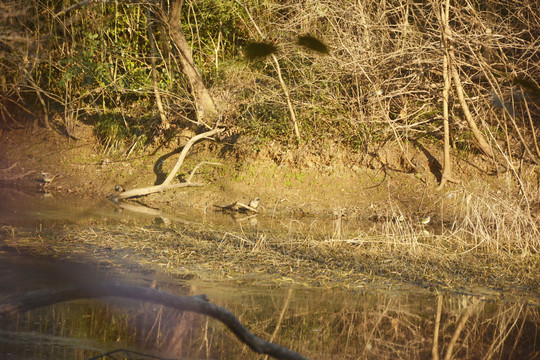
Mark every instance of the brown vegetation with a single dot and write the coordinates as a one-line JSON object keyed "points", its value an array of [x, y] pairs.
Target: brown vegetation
{"points": [[403, 84]]}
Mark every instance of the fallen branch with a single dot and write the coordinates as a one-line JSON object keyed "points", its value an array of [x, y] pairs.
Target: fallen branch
{"points": [[17, 177], [236, 207], [151, 190], [9, 168], [185, 150], [166, 185], [198, 304]]}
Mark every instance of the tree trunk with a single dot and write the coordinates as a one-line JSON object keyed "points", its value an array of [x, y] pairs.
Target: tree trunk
{"points": [[207, 113], [453, 69], [447, 167], [165, 124]]}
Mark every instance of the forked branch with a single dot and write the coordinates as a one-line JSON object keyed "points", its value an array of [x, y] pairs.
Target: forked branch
{"points": [[452, 67], [185, 150], [166, 185]]}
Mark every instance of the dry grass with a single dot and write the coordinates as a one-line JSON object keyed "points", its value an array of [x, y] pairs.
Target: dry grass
{"points": [[383, 78], [376, 324], [474, 241]]}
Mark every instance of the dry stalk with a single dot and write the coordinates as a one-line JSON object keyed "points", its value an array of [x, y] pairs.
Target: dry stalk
{"points": [[281, 316], [506, 323], [280, 77], [165, 124]]}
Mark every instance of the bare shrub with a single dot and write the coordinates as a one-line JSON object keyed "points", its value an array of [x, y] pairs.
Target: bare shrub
{"points": [[383, 78]]}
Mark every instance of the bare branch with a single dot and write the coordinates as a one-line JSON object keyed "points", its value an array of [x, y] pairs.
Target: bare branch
{"points": [[151, 190], [185, 150], [198, 166], [166, 185]]}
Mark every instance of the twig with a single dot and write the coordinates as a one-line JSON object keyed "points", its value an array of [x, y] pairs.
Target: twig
{"points": [[9, 168], [165, 124], [199, 165], [533, 130], [287, 97], [18, 177]]}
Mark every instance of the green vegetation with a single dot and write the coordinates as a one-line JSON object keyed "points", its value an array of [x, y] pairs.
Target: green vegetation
{"points": [[381, 79], [114, 134]]}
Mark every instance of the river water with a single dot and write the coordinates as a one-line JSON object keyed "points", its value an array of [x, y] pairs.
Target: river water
{"points": [[386, 320]]}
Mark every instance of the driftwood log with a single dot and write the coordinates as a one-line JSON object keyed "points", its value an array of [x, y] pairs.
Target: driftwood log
{"points": [[198, 304]]}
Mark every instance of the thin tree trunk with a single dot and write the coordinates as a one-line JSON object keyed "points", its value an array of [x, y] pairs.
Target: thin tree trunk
{"points": [[207, 113], [484, 146], [165, 124], [447, 163]]}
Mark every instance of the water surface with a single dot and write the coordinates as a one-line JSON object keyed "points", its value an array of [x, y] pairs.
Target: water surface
{"points": [[386, 320]]}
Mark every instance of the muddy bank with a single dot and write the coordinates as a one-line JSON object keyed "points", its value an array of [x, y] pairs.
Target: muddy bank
{"points": [[321, 181], [341, 221]]}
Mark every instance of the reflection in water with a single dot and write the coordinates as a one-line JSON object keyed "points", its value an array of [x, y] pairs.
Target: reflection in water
{"points": [[379, 322], [319, 323], [21, 209]]}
